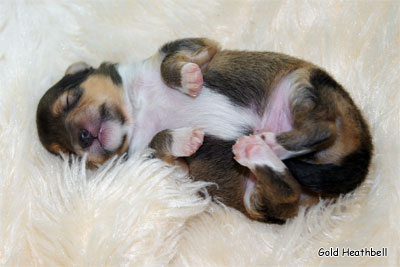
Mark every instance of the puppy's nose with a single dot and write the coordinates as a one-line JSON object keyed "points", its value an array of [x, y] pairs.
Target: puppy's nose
{"points": [[85, 138]]}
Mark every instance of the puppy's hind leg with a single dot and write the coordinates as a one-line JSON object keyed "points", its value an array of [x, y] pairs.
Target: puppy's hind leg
{"points": [[184, 61], [325, 150], [314, 113], [274, 196]]}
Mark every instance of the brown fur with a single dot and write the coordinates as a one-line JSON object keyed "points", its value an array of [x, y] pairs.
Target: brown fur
{"points": [[326, 124], [161, 143]]}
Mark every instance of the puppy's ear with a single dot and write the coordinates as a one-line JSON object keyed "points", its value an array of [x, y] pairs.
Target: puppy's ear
{"points": [[77, 67]]}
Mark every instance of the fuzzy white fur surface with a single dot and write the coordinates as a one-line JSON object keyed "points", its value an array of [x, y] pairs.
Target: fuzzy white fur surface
{"points": [[143, 212]]}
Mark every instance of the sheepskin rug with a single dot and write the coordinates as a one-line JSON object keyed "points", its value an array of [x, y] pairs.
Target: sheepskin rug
{"points": [[143, 212]]}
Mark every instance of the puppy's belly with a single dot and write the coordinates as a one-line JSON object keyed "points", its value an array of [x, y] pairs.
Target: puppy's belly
{"points": [[214, 112], [277, 116]]}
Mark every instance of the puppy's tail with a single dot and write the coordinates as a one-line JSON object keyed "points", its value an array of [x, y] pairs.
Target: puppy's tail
{"points": [[332, 179]]}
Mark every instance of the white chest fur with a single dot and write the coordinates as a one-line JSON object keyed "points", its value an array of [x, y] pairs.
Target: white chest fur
{"points": [[157, 107]]}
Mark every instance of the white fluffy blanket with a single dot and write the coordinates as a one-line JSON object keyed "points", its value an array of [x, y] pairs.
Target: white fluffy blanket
{"points": [[146, 213]]}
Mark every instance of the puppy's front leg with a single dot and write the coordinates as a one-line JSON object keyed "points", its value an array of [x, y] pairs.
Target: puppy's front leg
{"points": [[172, 144], [184, 61], [273, 196]]}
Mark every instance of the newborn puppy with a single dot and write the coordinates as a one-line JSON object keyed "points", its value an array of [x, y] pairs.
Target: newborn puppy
{"points": [[263, 126]]}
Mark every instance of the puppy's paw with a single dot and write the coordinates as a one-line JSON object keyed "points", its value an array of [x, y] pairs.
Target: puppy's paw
{"points": [[191, 79], [186, 141], [249, 149], [252, 151], [270, 139]]}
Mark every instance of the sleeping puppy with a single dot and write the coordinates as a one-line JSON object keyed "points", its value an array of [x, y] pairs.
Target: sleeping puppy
{"points": [[264, 127]]}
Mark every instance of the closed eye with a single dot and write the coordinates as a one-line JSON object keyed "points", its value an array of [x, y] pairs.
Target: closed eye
{"points": [[72, 99]]}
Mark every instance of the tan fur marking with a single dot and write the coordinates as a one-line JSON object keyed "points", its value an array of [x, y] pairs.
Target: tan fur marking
{"points": [[347, 138], [59, 105], [57, 148], [99, 89], [253, 213]]}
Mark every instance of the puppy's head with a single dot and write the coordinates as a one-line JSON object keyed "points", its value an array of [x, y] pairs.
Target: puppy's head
{"points": [[85, 112]]}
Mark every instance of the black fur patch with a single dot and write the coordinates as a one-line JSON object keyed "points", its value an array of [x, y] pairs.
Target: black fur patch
{"points": [[332, 179], [321, 78], [243, 83], [242, 92], [189, 44], [246, 77], [109, 69], [69, 81]]}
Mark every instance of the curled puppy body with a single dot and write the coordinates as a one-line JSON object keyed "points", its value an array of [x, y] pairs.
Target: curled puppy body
{"points": [[271, 125]]}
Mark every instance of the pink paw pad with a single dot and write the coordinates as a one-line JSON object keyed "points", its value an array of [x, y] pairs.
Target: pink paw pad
{"points": [[251, 151], [186, 141], [191, 79]]}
